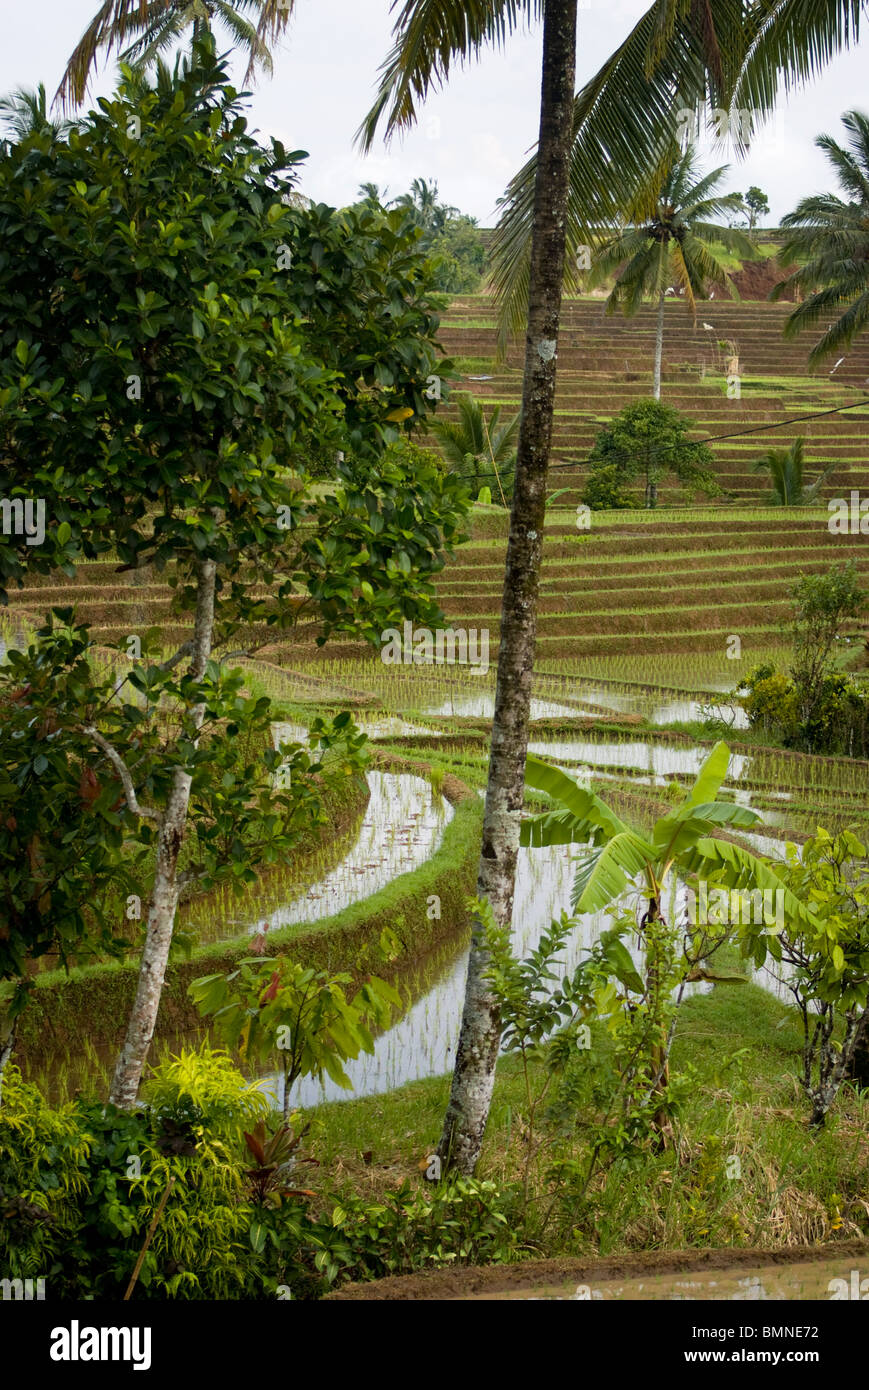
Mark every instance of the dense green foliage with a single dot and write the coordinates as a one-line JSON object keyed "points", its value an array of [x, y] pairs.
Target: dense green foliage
{"points": [[81, 1183], [481, 450], [648, 440], [786, 471], [815, 707], [450, 238]]}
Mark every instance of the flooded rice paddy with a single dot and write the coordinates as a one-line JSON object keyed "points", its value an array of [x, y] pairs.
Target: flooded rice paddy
{"points": [[403, 826]]}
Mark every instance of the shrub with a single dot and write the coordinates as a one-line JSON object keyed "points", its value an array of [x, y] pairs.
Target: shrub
{"points": [[603, 489]]}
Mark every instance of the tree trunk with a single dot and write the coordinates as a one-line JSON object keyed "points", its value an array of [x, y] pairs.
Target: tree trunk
{"points": [[651, 485], [659, 346], [164, 896], [659, 1064], [7, 1047], [479, 1040]]}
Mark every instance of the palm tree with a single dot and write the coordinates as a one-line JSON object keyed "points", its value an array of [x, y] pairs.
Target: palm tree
{"points": [[370, 193], [683, 843], [423, 200], [676, 245], [785, 467], [428, 39], [734, 56], [479, 449], [25, 112], [141, 30], [830, 242]]}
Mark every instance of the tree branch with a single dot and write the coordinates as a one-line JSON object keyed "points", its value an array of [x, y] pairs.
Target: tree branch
{"points": [[114, 757]]}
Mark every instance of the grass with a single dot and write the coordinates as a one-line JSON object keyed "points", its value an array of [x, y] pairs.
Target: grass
{"points": [[745, 1103]]}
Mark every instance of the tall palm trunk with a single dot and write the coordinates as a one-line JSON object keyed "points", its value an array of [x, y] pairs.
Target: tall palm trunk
{"points": [[659, 347], [651, 487], [164, 895], [477, 1053]]}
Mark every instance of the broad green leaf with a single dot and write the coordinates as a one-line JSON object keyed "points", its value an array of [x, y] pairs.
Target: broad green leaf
{"points": [[677, 831], [713, 772], [607, 871], [587, 811], [740, 868]]}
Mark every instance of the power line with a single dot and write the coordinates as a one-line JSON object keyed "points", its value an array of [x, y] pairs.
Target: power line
{"points": [[712, 438]]}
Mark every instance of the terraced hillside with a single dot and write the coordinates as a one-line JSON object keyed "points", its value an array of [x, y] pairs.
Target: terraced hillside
{"points": [[637, 587], [636, 584], [604, 362]]}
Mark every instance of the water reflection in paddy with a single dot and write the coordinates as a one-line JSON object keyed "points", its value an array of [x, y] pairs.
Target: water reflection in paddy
{"points": [[422, 1043]]}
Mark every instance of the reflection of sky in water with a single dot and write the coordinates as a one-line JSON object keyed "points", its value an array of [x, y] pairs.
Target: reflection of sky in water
{"points": [[422, 1043], [660, 709], [403, 826], [483, 707], [654, 758]]}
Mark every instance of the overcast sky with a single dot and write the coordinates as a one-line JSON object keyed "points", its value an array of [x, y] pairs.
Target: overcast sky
{"points": [[472, 136]]}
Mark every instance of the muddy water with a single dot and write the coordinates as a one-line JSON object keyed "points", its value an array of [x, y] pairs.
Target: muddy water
{"points": [[765, 1283]]}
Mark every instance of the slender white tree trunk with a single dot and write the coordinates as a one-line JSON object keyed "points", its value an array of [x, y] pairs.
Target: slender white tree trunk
{"points": [[651, 485], [659, 347], [164, 896], [477, 1052]]}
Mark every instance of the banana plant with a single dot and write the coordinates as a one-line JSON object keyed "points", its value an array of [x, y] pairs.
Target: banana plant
{"points": [[683, 842]]}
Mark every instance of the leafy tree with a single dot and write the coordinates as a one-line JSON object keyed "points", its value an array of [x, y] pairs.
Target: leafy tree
{"points": [[829, 240], [141, 31], [756, 204], [826, 960], [820, 605], [649, 440], [677, 244], [770, 702], [153, 393], [62, 834], [79, 850], [460, 254], [278, 1008], [838, 721], [603, 489], [683, 842], [484, 451], [785, 467], [451, 238]]}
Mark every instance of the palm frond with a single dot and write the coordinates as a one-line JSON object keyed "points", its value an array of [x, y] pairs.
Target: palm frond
{"points": [[429, 38]]}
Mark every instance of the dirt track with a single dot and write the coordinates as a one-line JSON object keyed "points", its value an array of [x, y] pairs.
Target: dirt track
{"points": [[493, 1281]]}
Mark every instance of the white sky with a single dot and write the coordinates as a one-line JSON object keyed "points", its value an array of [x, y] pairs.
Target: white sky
{"points": [[472, 136]]}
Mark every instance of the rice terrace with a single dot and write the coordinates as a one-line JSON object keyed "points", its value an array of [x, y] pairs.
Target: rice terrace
{"points": [[434, 664]]}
